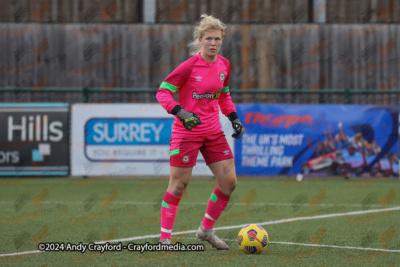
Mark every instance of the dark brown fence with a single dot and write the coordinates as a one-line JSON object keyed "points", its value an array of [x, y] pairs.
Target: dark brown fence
{"points": [[363, 11], [244, 11], [310, 57], [69, 11]]}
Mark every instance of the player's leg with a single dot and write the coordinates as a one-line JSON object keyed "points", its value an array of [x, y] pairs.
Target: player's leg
{"points": [[225, 174], [179, 180], [183, 157], [219, 158]]}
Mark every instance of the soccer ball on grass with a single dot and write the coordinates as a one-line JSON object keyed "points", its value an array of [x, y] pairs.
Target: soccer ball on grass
{"points": [[253, 239]]}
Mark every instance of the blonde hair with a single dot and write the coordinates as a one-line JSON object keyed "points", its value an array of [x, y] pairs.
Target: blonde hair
{"points": [[206, 24]]}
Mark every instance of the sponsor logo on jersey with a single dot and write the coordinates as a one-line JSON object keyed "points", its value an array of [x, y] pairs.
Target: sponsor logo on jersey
{"points": [[198, 78], [207, 95]]}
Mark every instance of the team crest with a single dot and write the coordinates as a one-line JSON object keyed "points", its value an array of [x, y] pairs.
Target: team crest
{"points": [[222, 76], [185, 159]]}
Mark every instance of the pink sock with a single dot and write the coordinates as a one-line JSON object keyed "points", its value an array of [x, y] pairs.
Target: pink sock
{"points": [[169, 207], [216, 205]]}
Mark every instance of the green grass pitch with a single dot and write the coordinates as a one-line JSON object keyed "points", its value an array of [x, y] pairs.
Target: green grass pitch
{"points": [[95, 209]]}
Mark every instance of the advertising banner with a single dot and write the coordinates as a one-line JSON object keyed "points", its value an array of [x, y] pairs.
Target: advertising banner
{"points": [[125, 140], [34, 140], [348, 140]]}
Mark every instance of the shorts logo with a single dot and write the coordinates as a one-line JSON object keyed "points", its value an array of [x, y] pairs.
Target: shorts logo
{"points": [[198, 78], [226, 152], [207, 95], [222, 76], [185, 159]]}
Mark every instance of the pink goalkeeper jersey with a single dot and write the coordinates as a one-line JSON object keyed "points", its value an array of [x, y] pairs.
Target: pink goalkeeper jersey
{"points": [[202, 86]]}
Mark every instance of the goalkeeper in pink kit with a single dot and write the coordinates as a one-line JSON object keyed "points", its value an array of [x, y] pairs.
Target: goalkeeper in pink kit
{"points": [[202, 83]]}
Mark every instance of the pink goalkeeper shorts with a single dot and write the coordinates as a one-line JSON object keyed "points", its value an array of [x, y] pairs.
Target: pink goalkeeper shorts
{"points": [[185, 149]]}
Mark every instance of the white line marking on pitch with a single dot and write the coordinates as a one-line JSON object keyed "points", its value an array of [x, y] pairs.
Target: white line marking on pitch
{"points": [[229, 227], [334, 246], [324, 246]]}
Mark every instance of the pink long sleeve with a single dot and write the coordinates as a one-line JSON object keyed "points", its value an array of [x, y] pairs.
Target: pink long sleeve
{"points": [[164, 97], [225, 99], [226, 104], [173, 83]]}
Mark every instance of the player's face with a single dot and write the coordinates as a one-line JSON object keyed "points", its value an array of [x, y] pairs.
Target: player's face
{"points": [[211, 43]]}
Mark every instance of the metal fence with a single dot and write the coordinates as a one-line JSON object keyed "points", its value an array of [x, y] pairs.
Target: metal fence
{"points": [[148, 95]]}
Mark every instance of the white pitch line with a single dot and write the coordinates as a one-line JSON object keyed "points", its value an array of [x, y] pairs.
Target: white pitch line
{"points": [[205, 203], [227, 227], [21, 253], [324, 246], [334, 246]]}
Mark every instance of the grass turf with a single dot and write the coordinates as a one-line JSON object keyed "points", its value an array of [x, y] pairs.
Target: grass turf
{"points": [[95, 209]]}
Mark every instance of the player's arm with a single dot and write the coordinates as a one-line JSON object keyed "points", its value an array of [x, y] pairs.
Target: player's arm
{"points": [[170, 86], [228, 108]]}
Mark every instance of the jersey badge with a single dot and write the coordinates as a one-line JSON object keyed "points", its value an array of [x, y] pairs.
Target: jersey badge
{"points": [[222, 76], [185, 159]]}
